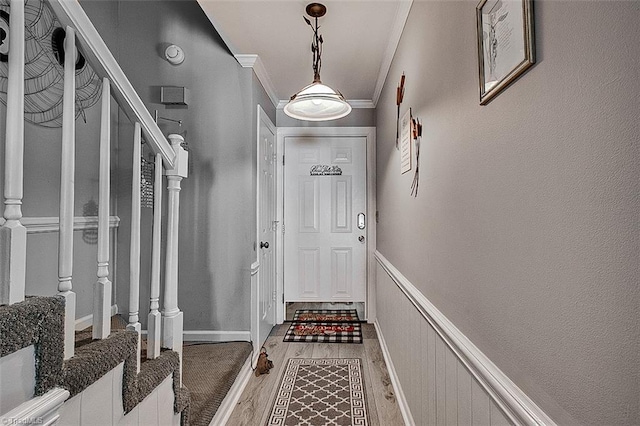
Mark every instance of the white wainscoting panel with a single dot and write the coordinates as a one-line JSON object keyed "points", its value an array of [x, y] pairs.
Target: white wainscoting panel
{"points": [[70, 411], [149, 409], [440, 376], [97, 401], [17, 378], [101, 403]]}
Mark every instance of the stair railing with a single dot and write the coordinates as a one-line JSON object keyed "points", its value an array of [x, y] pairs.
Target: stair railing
{"points": [[165, 326], [13, 235]]}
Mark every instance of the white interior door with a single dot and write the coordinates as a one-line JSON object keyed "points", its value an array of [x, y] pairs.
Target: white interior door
{"points": [[325, 251], [265, 246]]}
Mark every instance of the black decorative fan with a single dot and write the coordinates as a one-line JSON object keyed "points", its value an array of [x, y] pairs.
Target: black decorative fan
{"points": [[44, 71]]}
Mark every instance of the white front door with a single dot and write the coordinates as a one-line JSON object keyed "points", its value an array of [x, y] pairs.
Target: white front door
{"points": [[325, 251], [265, 246]]}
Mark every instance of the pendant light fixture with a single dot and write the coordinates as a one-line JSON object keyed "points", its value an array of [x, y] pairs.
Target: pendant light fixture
{"points": [[317, 101]]}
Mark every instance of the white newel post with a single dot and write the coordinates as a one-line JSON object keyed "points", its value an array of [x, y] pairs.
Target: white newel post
{"points": [[67, 176], [134, 258], [171, 315], [154, 320], [13, 235], [102, 287]]}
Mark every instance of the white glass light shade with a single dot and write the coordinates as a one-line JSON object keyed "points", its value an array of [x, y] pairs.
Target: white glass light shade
{"points": [[317, 102]]}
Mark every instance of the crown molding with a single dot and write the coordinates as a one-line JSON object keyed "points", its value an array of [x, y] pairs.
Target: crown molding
{"points": [[361, 103], [254, 61], [404, 7]]}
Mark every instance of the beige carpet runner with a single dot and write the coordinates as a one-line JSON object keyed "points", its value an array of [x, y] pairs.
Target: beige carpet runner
{"points": [[320, 392], [208, 371]]}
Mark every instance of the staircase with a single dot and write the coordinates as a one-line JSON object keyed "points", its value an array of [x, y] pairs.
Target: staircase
{"points": [[38, 334]]}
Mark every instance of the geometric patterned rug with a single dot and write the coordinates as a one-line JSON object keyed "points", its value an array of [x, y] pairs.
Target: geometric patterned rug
{"points": [[326, 315], [320, 392], [324, 332]]}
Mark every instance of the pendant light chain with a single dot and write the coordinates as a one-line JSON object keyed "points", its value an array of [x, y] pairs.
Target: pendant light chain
{"points": [[316, 49]]}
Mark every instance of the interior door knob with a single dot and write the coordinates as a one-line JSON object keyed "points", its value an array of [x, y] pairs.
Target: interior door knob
{"points": [[264, 244]]}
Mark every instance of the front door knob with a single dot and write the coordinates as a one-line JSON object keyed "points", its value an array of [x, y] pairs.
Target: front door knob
{"points": [[264, 244]]}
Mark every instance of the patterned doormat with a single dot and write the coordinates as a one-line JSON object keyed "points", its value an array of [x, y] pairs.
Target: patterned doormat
{"points": [[320, 392], [326, 315], [324, 332]]}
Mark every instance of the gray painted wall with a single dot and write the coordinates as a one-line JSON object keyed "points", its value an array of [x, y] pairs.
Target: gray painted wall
{"points": [[525, 230], [217, 201]]}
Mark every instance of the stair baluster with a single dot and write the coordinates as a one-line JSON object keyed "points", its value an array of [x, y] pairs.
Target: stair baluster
{"points": [[13, 235], [134, 259], [102, 287], [172, 321], [154, 319], [67, 177]]}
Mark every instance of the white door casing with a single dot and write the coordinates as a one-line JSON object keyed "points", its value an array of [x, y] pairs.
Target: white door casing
{"points": [[369, 133], [324, 195], [264, 291]]}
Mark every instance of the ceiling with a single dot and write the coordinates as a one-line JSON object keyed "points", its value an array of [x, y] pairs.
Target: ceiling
{"points": [[360, 38]]}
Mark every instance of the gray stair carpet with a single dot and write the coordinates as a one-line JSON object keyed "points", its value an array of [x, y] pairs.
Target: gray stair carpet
{"points": [[208, 371]]}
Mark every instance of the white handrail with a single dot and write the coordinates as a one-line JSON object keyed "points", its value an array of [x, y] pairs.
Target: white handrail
{"points": [[69, 12], [13, 235], [102, 288], [67, 189]]}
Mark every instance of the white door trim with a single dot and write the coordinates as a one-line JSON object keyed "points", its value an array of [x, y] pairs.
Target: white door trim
{"points": [[262, 117], [370, 134]]}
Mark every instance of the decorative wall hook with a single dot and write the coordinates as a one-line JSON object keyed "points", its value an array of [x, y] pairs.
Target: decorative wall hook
{"points": [[399, 98], [416, 134]]}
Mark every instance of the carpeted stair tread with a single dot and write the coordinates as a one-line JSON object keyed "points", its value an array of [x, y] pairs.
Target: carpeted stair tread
{"points": [[85, 335], [208, 371], [96, 358], [39, 321]]}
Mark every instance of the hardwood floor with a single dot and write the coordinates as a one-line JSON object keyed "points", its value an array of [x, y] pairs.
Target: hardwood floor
{"points": [[254, 405]]}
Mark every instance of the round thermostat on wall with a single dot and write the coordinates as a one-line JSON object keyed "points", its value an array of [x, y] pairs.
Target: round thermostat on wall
{"points": [[174, 54]]}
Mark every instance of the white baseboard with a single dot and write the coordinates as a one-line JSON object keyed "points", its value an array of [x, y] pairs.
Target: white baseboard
{"points": [[87, 320], [233, 396], [215, 336], [402, 401]]}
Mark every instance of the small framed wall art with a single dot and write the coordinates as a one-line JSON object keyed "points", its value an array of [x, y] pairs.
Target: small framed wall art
{"points": [[405, 142], [506, 46]]}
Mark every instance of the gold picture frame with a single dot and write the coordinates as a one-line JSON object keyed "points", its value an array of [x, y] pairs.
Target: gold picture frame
{"points": [[506, 46]]}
